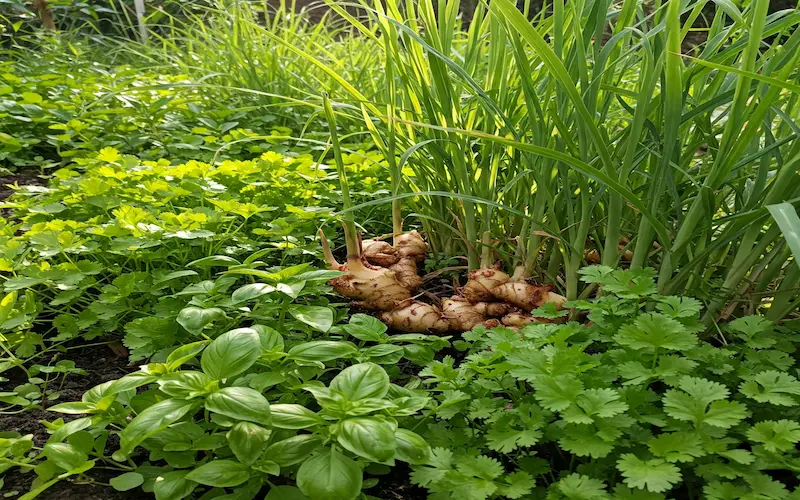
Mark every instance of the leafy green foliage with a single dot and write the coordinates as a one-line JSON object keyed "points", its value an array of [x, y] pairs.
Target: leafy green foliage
{"points": [[632, 405]]}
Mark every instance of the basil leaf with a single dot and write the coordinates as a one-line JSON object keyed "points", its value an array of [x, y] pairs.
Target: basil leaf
{"points": [[173, 486], [364, 380], [247, 441], [331, 476], [411, 447], [220, 473], [368, 437], [317, 317], [291, 416], [231, 353], [293, 450], [152, 420], [241, 403], [322, 350]]}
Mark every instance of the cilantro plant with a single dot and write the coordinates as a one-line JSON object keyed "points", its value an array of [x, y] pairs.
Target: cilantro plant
{"points": [[634, 403], [115, 245]]}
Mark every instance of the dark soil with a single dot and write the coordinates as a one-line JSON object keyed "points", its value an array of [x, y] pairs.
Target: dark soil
{"points": [[396, 485], [101, 365]]}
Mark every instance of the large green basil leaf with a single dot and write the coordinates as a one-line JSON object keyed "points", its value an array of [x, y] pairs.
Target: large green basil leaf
{"points": [[412, 448], [271, 339], [173, 486], [322, 350], [364, 380], [241, 403], [366, 327], [186, 384], [293, 450], [329, 475], [385, 354], [317, 317], [64, 455], [231, 353], [220, 473], [251, 291], [368, 437], [291, 416], [195, 319], [154, 419], [247, 441]]}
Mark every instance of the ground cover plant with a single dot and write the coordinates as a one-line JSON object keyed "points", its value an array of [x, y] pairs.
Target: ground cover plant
{"points": [[631, 404], [178, 205]]}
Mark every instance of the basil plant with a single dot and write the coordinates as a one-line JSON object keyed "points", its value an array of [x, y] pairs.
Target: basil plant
{"points": [[229, 425]]}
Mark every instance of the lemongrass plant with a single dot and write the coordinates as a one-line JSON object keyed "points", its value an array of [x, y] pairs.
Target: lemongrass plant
{"points": [[593, 125], [586, 131]]}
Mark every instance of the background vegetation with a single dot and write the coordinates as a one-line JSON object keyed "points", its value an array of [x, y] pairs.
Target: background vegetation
{"points": [[174, 185]]}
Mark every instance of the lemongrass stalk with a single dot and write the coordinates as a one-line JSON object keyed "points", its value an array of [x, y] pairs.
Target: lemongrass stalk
{"points": [[732, 128], [786, 298], [351, 235], [391, 144]]}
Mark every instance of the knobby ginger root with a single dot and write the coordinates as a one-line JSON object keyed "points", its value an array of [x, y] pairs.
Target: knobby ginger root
{"points": [[416, 317], [464, 316], [481, 284], [377, 288], [380, 253], [406, 272], [411, 246], [521, 319], [523, 295]]}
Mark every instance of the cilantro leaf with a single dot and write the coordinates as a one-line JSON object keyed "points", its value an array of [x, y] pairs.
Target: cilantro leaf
{"points": [[603, 403], [506, 440], [655, 475], [698, 401], [778, 435], [584, 441], [772, 387], [517, 484], [557, 393], [679, 307], [580, 487], [481, 466], [654, 331], [677, 447]]}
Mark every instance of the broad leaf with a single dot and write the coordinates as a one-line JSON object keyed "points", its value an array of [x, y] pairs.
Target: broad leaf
{"points": [[329, 475], [240, 403], [231, 353]]}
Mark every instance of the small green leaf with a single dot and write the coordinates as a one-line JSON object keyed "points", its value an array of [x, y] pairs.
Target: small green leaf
{"points": [[64, 455], [195, 319], [152, 420], [322, 350], [317, 317], [293, 416], [127, 481], [367, 328], [220, 473], [293, 450]]}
